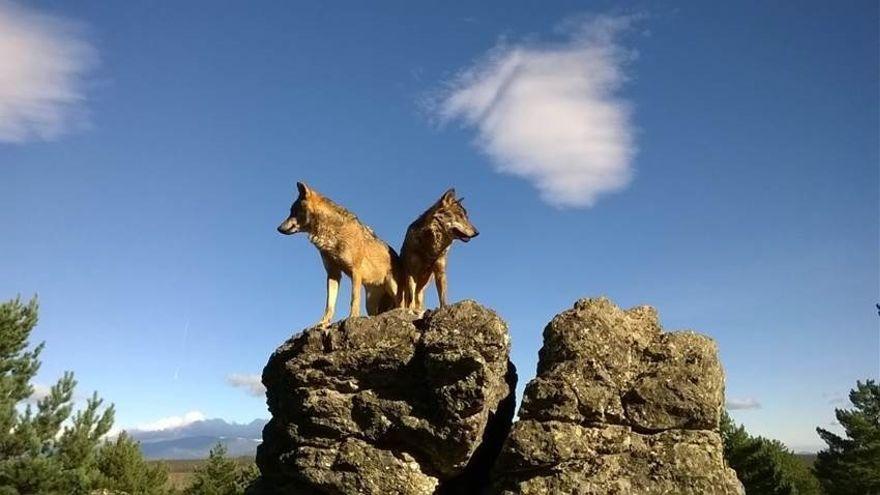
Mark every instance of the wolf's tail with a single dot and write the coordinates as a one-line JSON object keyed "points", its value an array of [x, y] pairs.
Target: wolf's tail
{"points": [[391, 301]]}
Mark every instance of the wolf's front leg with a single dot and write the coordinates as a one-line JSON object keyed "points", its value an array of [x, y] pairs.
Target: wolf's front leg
{"points": [[332, 290], [409, 292], [356, 283], [440, 280], [421, 283]]}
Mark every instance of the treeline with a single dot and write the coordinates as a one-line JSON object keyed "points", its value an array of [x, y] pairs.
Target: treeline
{"points": [[850, 465], [47, 448], [765, 466]]}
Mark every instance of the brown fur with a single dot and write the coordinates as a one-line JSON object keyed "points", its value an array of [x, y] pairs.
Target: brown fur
{"points": [[426, 247], [346, 246]]}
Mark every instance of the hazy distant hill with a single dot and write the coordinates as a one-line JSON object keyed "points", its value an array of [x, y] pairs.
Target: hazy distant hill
{"points": [[194, 440]]}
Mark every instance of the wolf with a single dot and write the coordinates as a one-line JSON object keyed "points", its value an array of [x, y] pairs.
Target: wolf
{"points": [[347, 246], [427, 244]]}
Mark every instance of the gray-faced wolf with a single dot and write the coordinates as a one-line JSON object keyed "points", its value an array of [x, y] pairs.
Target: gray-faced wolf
{"points": [[427, 244], [346, 246]]}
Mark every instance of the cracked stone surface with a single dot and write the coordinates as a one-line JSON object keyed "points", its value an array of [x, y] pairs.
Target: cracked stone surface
{"points": [[389, 404], [618, 407]]}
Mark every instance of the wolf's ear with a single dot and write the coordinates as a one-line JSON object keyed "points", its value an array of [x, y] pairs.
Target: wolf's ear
{"points": [[448, 197], [304, 190]]}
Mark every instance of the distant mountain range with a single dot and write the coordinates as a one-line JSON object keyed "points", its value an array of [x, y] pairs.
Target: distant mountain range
{"points": [[194, 440]]}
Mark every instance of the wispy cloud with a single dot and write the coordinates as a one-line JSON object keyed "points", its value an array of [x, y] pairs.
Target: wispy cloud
{"points": [[552, 113], [171, 422], [40, 392], [835, 398], [743, 403], [252, 384], [43, 62]]}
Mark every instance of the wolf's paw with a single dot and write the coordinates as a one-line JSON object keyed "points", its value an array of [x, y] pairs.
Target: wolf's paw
{"points": [[420, 312]]}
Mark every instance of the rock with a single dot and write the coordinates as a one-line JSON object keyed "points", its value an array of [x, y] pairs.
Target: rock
{"points": [[393, 404], [618, 407], [388, 404]]}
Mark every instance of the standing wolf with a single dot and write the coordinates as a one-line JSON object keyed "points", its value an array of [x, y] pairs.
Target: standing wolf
{"points": [[346, 246], [427, 244]]}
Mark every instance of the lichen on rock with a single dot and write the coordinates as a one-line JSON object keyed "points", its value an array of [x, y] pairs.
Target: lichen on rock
{"points": [[618, 407], [389, 404], [395, 404]]}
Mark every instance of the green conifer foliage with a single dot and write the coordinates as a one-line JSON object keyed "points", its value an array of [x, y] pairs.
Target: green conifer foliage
{"points": [[221, 475], [41, 452], [123, 469], [765, 467], [851, 465]]}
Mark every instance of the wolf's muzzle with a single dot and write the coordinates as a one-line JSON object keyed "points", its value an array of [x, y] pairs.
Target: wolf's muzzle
{"points": [[467, 237], [286, 230]]}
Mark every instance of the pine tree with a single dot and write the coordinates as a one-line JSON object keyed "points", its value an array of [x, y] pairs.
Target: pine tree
{"points": [[221, 475], [765, 467], [77, 446], [27, 437], [851, 465], [245, 476], [750, 459], [122, 468], [37, 455], [793, 470]]}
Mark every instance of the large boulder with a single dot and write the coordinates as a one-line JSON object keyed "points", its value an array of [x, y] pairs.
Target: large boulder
{"points": [[618, 407], [389, 404]]}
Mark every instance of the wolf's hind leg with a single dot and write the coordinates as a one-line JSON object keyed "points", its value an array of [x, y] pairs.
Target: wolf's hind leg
{"points": [[420, 300], [356, 285], [374, 300], [395, 292]]}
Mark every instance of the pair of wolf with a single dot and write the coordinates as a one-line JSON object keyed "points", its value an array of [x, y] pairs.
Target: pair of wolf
{"points": [[350, 247]]}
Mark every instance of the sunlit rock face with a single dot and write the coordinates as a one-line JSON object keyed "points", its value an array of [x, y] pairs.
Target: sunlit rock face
{"points": [[618, 407], [397, 404], [389, 404]]}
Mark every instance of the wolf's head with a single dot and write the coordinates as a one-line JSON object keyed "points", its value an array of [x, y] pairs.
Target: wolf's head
{"points": [[301, 211], [453, 217]]}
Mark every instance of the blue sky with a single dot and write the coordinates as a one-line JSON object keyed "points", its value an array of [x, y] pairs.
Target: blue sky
{"points": [[717, 161]]}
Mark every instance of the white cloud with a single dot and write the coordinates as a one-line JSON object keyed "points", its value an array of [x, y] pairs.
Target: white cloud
{"points": [[43, 61], [252, 384], [171, 422], [744, 403], [551, 113], [40, 392]]}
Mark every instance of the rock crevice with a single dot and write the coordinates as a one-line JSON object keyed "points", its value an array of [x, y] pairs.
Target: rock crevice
{"points": [[389, 404], [395, 404], [618, 407]]}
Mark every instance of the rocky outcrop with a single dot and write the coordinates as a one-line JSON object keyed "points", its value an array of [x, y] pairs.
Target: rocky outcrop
{"points": [[389, 404], [396, 404], [618, 407]]}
